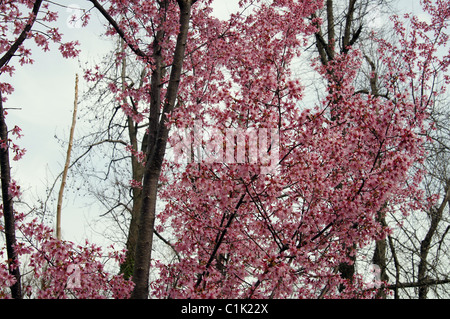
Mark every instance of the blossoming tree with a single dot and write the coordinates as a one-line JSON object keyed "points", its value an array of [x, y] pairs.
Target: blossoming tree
{"points": [[342, 163], [265, 199]]}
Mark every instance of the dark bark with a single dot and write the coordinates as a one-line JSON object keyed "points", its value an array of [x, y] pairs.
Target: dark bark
{"points": [[346, 40], [137, 174], [379, 257], [8, 208], [5, 169], [330, 29], [425, 245], [347, 269], [137, 170], [157, 136], [156, 152], [219, 240]]}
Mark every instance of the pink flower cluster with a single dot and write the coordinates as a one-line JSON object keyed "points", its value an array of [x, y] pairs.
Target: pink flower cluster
{"points": [[139, 155], [243, 234], [49, 263], [17, 151], [239, 232]]}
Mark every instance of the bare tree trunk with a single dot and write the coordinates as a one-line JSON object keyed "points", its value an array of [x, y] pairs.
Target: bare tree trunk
{"points": [[137, 171], [379, 257], [66, 165], [330, 29], [397, 267], [425, 245], [347, 270], [133, 229], [8, 208]]}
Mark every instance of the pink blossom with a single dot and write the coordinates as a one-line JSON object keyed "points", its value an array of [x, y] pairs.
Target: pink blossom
{"points": [[14, 189]]}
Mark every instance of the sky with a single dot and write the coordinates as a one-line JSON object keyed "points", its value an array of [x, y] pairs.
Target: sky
{"points": [[44, 96]]}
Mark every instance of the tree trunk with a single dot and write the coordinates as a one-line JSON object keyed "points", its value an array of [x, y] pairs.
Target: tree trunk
{"points": [[8, 209], [327, 53], [347, 270], [379, 257], [5, 170], [157, 142], [137, 172], [425, 245]]}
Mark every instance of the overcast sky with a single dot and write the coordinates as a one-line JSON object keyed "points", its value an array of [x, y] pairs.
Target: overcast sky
{"points": [[44, 92]]}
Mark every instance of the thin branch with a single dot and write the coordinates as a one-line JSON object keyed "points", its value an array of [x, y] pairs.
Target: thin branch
{"points": [[425, 283], [12, 50], [117, 28], [165, 241]]}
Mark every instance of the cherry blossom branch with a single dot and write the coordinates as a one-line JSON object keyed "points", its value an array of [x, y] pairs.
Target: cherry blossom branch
{"points": [[23, 35], [219, 241], [118, 29]]}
